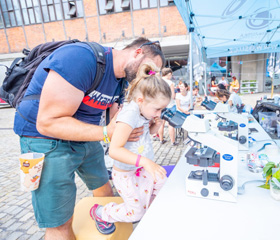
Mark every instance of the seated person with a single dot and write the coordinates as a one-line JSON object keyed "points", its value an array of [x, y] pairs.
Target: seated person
{"points": [[234, 85], [224, 82], [196, 96], [183, 99], [232, 99], [213, 86]]}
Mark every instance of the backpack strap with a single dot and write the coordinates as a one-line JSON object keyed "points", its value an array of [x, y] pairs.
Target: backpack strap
{"points": [[101, 64], [99, 53], [9, 69], [100, 69], [4, 66], [123, 84]]}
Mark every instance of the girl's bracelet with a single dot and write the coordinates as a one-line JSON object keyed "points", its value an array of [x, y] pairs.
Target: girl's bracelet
{"points": [[138, 160]]}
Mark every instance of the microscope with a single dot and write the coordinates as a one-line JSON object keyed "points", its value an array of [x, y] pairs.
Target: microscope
{"points": [[234, 121], [212, 162], [229, 123]]}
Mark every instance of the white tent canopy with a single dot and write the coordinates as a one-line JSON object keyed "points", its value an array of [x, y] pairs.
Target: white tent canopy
{"points": [[233, 27]]}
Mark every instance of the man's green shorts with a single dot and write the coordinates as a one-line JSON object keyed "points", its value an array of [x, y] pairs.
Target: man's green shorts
{"points": [[54, 200]]}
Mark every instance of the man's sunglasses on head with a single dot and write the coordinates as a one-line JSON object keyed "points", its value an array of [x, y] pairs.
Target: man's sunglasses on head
{"points": [[155, 43]]}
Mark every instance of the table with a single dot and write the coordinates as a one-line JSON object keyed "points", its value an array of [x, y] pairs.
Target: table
{"points": [[174, 216]]}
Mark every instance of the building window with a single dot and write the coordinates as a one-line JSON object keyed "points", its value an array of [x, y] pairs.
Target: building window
{"points": [[109, 6], [163, 3], [51, 10], [125, 5], [10, 13], [25, 12], [171, 3], [143, 4], [1, 21], [72, 8]]}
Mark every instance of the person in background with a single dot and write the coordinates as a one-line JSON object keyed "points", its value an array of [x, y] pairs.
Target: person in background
{"points": [[183, 99], [196, 96], [224, 82], [177, 88], [234, 85], [136, 176], [232, 99], [213, 86], [167, 76]]}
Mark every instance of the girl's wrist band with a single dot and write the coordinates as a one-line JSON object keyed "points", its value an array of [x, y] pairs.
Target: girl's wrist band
{"points": [[138, 160], [105, 133]]}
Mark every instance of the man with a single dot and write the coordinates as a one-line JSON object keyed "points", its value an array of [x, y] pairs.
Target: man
{"points": [[224, 82], [67, 125]]}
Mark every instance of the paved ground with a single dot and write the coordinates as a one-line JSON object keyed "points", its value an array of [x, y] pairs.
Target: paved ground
{"points": [[16, 214]]}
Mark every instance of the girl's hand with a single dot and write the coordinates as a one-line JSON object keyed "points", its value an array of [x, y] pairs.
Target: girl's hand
{"points": [[154, 169]]}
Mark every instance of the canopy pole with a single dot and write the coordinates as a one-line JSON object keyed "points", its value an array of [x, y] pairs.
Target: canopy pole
{"points": [[191, 67], [226, 68], [205, 79], [272, 85]]}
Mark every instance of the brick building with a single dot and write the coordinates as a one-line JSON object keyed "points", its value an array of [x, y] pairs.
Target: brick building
{"points": [[27, 23]]}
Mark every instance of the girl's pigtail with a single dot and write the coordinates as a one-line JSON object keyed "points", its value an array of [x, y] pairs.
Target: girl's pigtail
{"points": [[144, 72]]}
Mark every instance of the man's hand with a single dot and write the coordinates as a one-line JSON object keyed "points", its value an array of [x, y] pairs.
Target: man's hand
{"points": [[134, 136], [111, 126]]}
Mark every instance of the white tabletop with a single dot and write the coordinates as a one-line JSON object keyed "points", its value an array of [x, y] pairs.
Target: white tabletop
{"points": [[173, 215]]}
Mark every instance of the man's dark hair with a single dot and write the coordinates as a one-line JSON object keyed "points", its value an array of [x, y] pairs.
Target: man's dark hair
{"points": [[222, 92], [166, 71], [221, 86], [186, 85], [213, 78], [153, 49]]}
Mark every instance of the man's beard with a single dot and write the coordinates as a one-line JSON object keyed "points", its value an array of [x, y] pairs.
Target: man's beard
{"points": [[132, 69]]}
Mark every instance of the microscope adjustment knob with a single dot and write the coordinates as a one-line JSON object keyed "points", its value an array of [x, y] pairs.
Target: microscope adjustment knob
{"points": [[204, 192], [226, 183], [242, 139]]}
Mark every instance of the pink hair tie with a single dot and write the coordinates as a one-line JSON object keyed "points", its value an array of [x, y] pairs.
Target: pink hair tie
{"points": [[152, 73]]}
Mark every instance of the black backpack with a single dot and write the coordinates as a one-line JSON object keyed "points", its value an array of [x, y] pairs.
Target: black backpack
{"points": [[19, 74]]}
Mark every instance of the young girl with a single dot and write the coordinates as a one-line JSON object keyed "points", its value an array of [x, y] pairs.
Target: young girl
{"points": [[183, 99], [136, 177]]}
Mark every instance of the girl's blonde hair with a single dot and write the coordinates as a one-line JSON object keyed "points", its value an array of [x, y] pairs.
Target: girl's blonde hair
{"points": [[149, 83]]}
